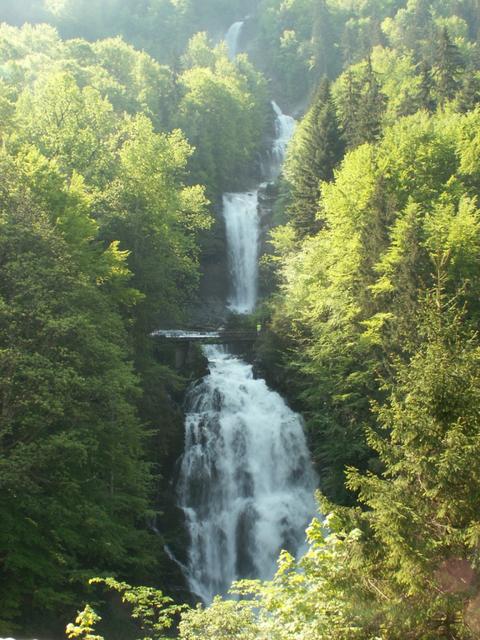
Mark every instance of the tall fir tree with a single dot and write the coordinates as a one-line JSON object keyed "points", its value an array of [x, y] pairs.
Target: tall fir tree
{"points": [[468, 96], [426, 88], [447, 68], [422, 20], [349, 112], [370, 109], [423, 508], [320, 150]]}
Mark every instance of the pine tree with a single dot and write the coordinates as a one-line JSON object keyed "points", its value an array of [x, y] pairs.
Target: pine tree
{"points": [[447, 68], [422, 19], [349, 110], [470, 12], [425, 98], [423, 509], [320, 151], [323, 41], [361, 106], [469, 94], [371, 108]]}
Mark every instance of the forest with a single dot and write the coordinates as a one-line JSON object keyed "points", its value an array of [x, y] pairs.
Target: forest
{"points": [[122, 123]]}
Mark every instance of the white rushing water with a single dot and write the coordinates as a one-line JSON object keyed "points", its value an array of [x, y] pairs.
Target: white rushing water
{"points": [[247, 483], [232, 38], [242, 223], [242, 226], [284, 130]]}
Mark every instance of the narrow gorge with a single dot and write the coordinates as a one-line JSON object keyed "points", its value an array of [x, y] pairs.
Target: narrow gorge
{"points": [[246, 484]]}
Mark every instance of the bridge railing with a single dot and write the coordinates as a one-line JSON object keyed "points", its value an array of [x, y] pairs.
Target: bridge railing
{"points": [[206, 337]]}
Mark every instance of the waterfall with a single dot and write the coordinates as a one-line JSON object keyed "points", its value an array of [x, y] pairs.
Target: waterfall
{"points": [[284, 130], [242, 225], [232, 37], [246, 483]]}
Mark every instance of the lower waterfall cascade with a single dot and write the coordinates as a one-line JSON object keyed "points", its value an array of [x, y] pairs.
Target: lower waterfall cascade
{"points": [[246, 482]]}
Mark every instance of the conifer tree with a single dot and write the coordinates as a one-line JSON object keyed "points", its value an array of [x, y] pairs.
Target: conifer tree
{"points": [[422, 17], [361, 106], [319, 152], [349, 111], [426, 100], [469, 94], [371, 108], [471, 13], [447, 68], [424, 506]]}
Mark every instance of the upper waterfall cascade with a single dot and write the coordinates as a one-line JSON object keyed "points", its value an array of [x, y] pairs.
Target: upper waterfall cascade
{"points": [[242, 226], [232, 38], [284, 130], [242, 223]]}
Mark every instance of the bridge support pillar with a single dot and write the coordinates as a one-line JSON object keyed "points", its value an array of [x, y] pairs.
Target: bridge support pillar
{"points": [[180, 354], [184, 354]]}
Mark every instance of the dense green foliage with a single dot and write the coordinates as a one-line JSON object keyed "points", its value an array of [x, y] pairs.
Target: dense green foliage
{"points": [[385, 379], [316, 150], [224, 112], [361, 247], [397, 216], [300, 41], [161, 27], [71, 473], [108, 159], [107, 156]]}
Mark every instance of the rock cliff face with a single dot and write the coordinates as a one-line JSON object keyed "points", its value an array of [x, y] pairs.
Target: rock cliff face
{"points": [[210, 310], [246, 481]]}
